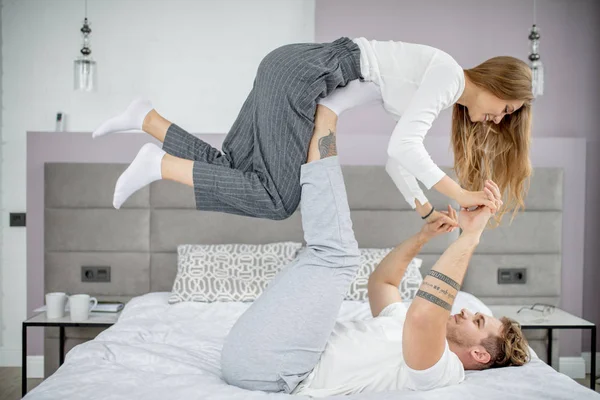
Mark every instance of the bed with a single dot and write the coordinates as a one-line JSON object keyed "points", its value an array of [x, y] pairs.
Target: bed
{"points": [[162, 351], [157, 350]]}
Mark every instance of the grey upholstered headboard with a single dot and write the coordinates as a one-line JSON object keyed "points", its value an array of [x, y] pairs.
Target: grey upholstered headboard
{"points": [[139, 241]]}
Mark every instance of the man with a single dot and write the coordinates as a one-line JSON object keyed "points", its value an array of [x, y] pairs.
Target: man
{"points": [[288, 340], [424, 347]]}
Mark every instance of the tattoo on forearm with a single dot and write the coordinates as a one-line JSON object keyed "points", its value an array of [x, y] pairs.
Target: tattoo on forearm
{"points": [[444, 278], [435, 300], [445, 292], [327, 146]]}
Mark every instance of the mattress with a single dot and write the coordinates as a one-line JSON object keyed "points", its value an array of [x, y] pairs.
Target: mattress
{"points": [[162, 351]]}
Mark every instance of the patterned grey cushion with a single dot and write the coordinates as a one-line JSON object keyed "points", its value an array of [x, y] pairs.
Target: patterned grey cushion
{"points": [[241, 272], [411, 282], [228, 272], [369, 259]]}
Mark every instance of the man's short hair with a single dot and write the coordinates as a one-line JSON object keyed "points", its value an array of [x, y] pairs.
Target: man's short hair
{"points": [[508, 349]]}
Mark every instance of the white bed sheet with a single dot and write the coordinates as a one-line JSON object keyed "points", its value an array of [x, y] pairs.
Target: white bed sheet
{"points": [[162, 351]]}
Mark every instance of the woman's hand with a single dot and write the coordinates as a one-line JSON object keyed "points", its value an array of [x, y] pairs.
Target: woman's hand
{"points": [[440, 222], [489, 197], [425, 209]]}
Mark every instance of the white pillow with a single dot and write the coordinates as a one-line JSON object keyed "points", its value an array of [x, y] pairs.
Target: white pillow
{"points": [[369, 259], [228, 272]]}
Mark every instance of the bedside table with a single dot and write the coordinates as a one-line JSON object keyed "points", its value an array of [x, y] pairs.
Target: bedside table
{"points": [[95, 320], [558, 319]]}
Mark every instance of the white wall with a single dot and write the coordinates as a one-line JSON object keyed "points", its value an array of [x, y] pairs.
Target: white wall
{"points": [[196, 60]]}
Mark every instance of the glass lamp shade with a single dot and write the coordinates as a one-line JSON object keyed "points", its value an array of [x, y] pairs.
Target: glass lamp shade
{"points": [[537, 75], [537, 68], [85, 75]]}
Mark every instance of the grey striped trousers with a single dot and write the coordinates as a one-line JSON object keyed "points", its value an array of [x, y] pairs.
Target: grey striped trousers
{"points": [[257, 174]]}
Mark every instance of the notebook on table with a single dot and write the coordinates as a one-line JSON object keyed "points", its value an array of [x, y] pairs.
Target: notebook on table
{"points": [[103, 306]]}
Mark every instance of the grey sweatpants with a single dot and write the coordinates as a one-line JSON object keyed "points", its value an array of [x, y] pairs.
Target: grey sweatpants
{"points": [[278, 341], [258, 172]]}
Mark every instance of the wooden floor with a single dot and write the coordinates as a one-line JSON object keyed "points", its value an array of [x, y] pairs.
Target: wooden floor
{"points": [[10, 383], [586, 382]]}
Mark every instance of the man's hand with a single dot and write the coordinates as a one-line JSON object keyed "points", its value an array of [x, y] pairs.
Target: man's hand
{"points": [[435, 215], [384, 281], [476, 220], [447, 221], [490, 197]]}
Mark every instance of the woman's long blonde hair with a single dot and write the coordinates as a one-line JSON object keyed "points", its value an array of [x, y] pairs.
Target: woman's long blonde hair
{"points": [[497, 152]]}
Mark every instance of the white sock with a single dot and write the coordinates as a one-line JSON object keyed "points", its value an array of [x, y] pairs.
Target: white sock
{"points": [[143, 170], [131, 118]]}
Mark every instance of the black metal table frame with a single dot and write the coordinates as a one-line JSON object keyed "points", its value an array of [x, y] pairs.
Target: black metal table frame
{"points": [[550, 328], [61, 342]]}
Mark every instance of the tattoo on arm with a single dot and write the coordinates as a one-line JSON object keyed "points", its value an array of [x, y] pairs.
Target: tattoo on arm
{"points": [[444, 278], [327, 146], [435, 300], [445, 292]]}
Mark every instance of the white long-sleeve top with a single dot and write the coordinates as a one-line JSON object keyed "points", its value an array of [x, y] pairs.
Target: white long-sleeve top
{"points": [[414, 83]]}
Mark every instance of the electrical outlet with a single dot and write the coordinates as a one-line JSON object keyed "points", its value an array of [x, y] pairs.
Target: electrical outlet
{"points": [[95, 274], [512, 275], [17, 219]]}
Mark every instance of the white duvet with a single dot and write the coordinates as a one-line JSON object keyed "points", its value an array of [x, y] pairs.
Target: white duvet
{"points": [[162, 351]]}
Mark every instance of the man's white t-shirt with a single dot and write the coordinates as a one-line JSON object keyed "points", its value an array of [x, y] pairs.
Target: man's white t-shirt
{"points": [[366, 356]]}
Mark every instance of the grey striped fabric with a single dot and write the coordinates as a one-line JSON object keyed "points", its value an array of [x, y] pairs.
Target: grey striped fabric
{"points": [[258, 172]]}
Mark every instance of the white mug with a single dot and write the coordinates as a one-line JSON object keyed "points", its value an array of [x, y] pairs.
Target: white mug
{"points": [[55, 305], [81, 307]]}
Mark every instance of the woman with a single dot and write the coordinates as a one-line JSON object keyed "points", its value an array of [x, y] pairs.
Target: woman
{"points": [[258, 172]]}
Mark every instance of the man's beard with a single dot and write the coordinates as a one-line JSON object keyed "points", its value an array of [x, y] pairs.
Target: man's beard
{"points": [[453, 336]]}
